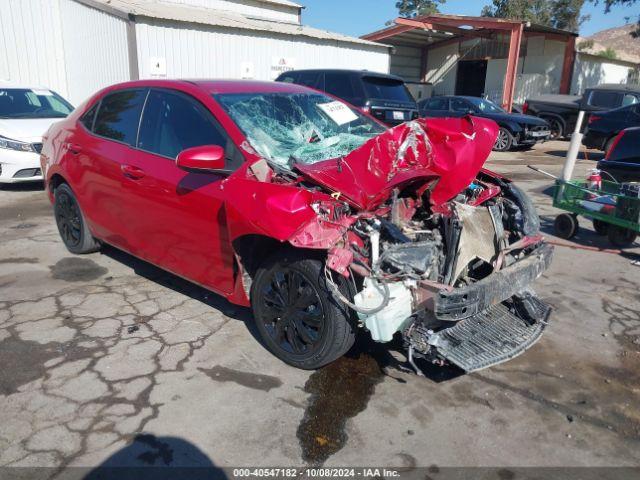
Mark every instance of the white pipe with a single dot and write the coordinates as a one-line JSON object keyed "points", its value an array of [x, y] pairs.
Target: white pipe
{"points": [[574, 148]]}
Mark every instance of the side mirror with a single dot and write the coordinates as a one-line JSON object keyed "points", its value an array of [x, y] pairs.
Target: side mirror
{"points": [[206, 158]]}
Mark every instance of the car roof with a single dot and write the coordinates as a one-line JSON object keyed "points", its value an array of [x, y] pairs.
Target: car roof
{"points": [[218, 86], [361, 73], [617, 86]]}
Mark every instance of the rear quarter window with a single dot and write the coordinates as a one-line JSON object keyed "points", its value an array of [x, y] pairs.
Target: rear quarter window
{"points": [[119, 115]]}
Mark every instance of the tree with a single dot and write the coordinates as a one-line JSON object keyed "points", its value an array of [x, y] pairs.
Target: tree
{"points": [[565, 14], [528, 10], [608, 53], [415, 8], [562, 14]]}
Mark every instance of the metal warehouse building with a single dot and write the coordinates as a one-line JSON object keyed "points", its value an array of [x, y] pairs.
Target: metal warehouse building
{"points": [[79, 46]]}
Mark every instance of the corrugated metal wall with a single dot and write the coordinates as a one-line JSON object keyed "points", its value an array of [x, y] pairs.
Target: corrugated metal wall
{"points": [[95, 49], [254, 8], [31, 49], [211, 52], [406, 62]]}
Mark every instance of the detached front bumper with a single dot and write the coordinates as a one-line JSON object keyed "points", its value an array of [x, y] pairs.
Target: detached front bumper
{"points": [[465, 302]]}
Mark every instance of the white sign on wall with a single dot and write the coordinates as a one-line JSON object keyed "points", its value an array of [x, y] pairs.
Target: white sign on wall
{"points": [[247, 70], [280, 65], [157, 66]]}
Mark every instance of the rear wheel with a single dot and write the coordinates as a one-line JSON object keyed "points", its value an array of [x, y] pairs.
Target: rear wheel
{"points": [[621, 237], [556, 127], [504, 140], [566, 226], [601, 228], [71, 224], [296, 315]]}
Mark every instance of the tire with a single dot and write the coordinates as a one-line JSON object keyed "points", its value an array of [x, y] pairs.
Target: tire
{"points": [[71, 224], [621, 237], [556, 127], [601, 228], [566, 226], [308, 330], [504, 140]]}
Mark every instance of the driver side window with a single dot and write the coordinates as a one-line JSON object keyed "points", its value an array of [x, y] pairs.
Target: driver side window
{"points": [[172, 122], [459, 105]]}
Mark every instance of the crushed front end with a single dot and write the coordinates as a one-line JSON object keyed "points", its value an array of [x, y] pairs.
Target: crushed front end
{"points": [[450, 273]]}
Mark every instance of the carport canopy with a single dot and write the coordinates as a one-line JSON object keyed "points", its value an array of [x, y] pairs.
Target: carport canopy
{"points": [[438, 30]]}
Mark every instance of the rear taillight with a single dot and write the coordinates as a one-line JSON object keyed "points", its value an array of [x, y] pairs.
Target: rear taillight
{"points": [[366, 109], [613, 146], [525, 107], [594, 118]]}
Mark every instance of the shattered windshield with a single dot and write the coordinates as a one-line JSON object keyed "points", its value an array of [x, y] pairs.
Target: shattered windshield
{"points": [[288, 128]]}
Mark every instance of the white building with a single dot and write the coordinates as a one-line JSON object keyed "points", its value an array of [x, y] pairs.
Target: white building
{"points": [[76, 47]]}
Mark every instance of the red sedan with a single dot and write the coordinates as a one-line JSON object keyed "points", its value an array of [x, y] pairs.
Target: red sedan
{"points": [[309, 211]]}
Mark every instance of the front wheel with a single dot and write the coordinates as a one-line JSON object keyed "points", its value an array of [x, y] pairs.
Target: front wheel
{"points": [[71, 223], [504, 140], [296, 315]]}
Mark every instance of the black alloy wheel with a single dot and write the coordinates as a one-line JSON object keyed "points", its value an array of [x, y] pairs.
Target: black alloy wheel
{"points": [[71, 224], [296, 315], [293, 313]]}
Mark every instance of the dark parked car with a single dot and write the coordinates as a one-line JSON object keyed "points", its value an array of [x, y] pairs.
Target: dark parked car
{"points": [[516, 129], [622, 161], [386, 97], [561, 111], [603, 127]]}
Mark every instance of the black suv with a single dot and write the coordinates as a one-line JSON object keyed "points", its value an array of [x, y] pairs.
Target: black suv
{"points": [[386, 97]]}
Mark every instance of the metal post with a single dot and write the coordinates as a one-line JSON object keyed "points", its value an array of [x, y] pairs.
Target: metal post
{"points": [[574, 148]]}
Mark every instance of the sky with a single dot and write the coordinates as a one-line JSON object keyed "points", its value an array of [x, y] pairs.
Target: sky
{"points": [[357, 17]]}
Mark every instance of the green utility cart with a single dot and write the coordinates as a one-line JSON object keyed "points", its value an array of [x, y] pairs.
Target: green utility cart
{"points": [[614, 209]]}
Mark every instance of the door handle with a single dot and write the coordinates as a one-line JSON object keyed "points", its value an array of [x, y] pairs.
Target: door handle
{"points": [[132, 172], [74, 148]]}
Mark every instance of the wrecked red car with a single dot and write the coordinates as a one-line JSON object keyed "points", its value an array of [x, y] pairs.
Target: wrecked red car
{"points": [[309, 211]]}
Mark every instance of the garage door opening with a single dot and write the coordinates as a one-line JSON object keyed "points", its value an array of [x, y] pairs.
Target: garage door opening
{"points": [[471, 77]]}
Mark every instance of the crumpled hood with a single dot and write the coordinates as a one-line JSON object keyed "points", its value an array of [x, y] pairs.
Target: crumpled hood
{"points": [[452, 150]]}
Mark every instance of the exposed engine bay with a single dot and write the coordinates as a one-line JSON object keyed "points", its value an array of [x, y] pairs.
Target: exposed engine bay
{"points": [[423, 244], [406, 262]]}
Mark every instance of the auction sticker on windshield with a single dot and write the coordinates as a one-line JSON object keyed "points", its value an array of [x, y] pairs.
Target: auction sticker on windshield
{"points": [[41, 92], [338, 112]]}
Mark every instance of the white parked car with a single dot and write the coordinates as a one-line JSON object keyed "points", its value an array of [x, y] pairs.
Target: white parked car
{"points": [[26, 113]]}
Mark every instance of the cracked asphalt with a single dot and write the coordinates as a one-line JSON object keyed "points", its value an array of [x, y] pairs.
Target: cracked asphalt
{"points": [[106, 360]]}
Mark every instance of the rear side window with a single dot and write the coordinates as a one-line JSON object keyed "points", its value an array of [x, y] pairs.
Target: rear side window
{"points": [[310, 79], [173, 122], [119, 116], [629, 99], [605, 99], [340, 85], [436, 104], [386, 89]]}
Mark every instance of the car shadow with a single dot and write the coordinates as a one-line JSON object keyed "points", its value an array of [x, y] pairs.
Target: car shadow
{"points": [[582, 155], [22, 187], [184, 287], [151, 457]]}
